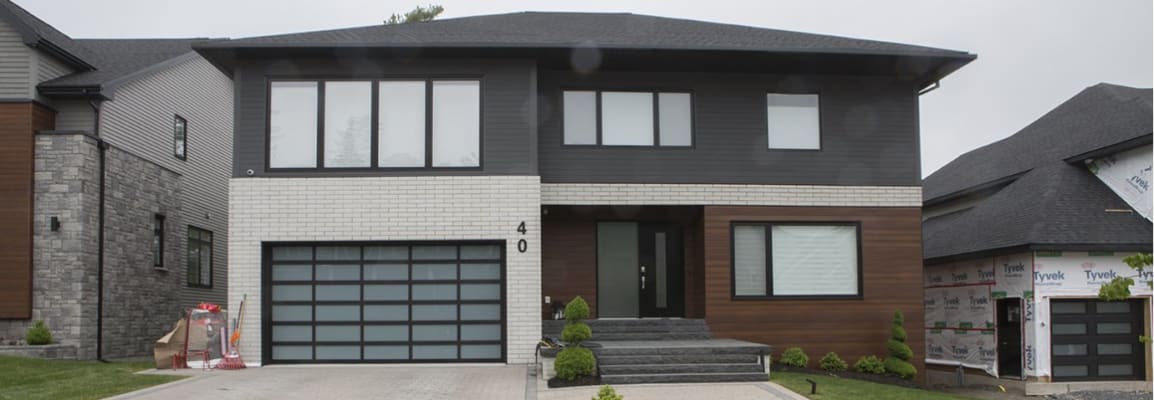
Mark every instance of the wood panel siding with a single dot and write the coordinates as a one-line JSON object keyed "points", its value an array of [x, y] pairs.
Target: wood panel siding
{"points": [[892, 280], [569, 250], [18, 124]]}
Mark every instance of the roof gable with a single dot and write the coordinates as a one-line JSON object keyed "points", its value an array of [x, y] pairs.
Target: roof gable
{"points": [[38, 34]]}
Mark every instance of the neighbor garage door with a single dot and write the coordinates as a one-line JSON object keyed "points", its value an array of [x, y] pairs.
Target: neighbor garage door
{"points": [[1097, 340], [384, 302]]}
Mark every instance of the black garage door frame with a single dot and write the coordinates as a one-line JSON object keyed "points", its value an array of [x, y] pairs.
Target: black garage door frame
{"points": [[267, 302], [1079, 327]]}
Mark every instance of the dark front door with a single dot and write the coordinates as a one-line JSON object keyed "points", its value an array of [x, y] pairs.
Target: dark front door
{"points": [[662, 270], [1010, 337]]}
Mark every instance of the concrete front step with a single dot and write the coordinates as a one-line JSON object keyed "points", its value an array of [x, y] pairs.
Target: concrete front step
{"points": [[697, 368], [685, 378], [677, 347], [679, 359]]}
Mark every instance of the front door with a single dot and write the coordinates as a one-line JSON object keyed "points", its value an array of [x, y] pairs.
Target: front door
{"points": [[640, 270], [1010, 337]]}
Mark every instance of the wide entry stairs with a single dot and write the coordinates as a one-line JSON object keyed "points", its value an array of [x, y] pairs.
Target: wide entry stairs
{"points": [[668, 351]]}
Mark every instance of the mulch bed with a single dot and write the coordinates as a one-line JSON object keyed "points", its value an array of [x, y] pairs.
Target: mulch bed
{"points": [[886, 379], [556, 382]]}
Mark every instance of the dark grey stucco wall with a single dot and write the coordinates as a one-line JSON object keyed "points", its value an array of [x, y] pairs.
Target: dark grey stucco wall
{"points": [[869, 129], [508, 109]]}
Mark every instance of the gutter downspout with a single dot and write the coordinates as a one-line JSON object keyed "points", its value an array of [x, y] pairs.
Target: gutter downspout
{"points": [[103, 146]]}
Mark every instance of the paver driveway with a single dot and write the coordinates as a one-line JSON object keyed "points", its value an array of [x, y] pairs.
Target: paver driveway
{"points": [[347, 382]]}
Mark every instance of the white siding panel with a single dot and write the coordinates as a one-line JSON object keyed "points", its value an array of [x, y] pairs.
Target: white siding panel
{"points": [[15, 65], [139, 119]]}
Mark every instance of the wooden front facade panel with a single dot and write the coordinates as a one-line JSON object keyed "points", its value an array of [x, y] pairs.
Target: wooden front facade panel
{"points": [[891, 251], [18, 124]]}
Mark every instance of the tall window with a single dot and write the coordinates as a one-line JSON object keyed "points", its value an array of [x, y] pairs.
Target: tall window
{"points": [[199, 257], [794, 259], [158, 241], [179, 137], [432, 123], [793, 121], [620, 118]]}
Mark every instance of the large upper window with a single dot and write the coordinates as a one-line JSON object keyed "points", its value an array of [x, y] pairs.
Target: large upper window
{"points": [[619, 118], [375, 124], [199, 257], [793, 121], [792, 259]]}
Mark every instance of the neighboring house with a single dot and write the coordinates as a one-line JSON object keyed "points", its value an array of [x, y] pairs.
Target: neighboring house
{"points": [[1020, 234], [114, 160], [422, 192]]}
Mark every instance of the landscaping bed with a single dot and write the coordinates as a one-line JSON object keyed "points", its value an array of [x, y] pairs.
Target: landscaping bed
{"points": [[556, 382], [26, 378]]}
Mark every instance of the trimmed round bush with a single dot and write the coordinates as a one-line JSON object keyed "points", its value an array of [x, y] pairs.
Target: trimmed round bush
{"points": [[38, 334], [608, 393], [900, 368], [832, 363], [574, 362], [576, 310], [794, 357], [576, 332], [870, 365]]}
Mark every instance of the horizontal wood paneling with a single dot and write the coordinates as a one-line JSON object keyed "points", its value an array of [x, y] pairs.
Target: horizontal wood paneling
{"points": [[891, 269], [18, 123], [569, 249]]}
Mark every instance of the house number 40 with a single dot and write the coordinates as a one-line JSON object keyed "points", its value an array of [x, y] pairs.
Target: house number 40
{"points": [[522, 245]]}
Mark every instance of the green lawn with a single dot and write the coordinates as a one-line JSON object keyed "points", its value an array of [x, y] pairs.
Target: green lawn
{"points": [[26, 378], [830, 388]]}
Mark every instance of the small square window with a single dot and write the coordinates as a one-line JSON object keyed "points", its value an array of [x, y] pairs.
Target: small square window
{"points": [[793, 121], [180, 138]]}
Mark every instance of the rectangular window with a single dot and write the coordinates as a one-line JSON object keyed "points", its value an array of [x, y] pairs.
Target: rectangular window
{"points": [[348, 124], [179, 137], [796, 259], [158, 241], [293, 125], [627, 118], [414, 124], [199, 257], [793, 121]]}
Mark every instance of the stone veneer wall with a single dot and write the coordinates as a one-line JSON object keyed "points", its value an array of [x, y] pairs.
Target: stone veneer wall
{"points": [[384, 209], [140, 302]]}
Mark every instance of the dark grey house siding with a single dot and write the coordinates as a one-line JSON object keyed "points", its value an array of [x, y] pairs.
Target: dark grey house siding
{"points": [[508, 110], [869, 129]]}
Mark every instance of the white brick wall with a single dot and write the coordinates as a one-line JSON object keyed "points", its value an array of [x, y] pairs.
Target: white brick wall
{"points": [[749, 195], [389, 208]]}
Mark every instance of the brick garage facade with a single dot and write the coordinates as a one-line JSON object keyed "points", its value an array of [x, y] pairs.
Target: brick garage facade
{"points": [[389, 209]]}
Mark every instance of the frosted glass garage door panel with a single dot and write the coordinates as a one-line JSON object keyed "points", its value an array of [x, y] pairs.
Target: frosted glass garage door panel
{"points": [[338, 333], [292, 352], [481, 332], [338, 352], [386, 313], [480, 271], [386, 352], [292, 333], [476, 351], [292, 272], [434, 352], [434, 333], [386, 292], [387, 333]]}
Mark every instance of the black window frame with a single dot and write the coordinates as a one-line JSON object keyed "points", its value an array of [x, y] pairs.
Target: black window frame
{"points": [[655, 93], [768, 225], [375, 126], [158, 241], [180, 138], [820, 123], [199, 242]]}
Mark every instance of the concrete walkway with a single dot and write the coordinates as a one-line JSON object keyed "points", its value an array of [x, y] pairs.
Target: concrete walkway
{"points": [[314, 382]]}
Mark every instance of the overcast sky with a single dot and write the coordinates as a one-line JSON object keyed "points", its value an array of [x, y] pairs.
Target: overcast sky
{"points": [[1032, 54]]}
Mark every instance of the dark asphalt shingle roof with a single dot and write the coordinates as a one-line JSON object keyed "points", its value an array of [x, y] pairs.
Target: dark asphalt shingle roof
{"points": [[1048, 203], [118, 58], [1099, 116], [564, 30]]}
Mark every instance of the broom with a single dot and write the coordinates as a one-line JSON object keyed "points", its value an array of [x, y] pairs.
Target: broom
{"points": [[232, 360]]}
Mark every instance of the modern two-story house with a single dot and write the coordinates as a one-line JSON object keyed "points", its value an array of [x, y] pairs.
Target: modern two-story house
{"points": [[423, 192], [114, 160]]}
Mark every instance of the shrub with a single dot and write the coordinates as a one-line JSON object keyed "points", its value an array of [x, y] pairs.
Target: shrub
{"points": [[832, 363], [576, 310], [793, 356], [576, 332], [38, 334], [901, 368], [607, 393], [898, 363], [574, 362], [870, 365]]}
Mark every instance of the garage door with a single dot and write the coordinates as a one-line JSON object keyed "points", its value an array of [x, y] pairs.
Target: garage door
{"points": [[1097, 340], [384, 302]]}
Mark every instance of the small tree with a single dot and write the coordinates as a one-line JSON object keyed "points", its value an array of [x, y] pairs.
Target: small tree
{"points": [[575, 361], [898, 362], [1119, 288], [419, 14], [38, 334]]}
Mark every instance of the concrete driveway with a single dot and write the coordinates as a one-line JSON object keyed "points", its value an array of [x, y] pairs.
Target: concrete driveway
{"points": [[315, 382]]}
